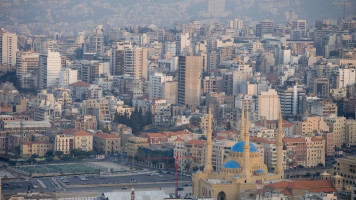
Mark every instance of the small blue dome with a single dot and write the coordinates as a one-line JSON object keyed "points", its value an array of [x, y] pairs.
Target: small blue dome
{"points": [[198, 170], [235, 176], [231, 165], [239, 147], [260, 171]]}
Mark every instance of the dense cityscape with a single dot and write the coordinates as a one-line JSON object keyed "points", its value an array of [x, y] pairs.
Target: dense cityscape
{"points": [[155, 100]]}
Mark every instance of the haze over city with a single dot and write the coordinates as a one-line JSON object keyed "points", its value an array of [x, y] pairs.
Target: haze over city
{"points": [[178, 99]]}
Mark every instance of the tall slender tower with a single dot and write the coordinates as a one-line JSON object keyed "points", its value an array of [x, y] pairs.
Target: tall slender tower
{"points": [[246, 154], [279, 167], [242, 128], [209, 147]]}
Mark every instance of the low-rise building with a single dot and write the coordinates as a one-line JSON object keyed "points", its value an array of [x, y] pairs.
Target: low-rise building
{"points": [[350, 132], [86, 122], [64, 143], [346, 168], [133, 143], [38, 148], [106, 143]]}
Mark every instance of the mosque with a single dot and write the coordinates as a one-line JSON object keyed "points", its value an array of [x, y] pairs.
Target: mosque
{"points": [[243, 170]]}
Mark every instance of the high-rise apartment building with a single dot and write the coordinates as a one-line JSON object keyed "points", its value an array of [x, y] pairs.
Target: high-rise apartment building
{"points": [[136, 62], [189, 80], [321, 87], [268, 105], [27, 69], [264, 27], [291, 100], [49, 69], [350, 132], [67, 76], [8, 47], [157, 82], [96, 44], [337, 127]]}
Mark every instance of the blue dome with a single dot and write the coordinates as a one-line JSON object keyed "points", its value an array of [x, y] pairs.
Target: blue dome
{"points": [[260, 171], [235, 176], [198, 170], [231, 165], [239, 147]]}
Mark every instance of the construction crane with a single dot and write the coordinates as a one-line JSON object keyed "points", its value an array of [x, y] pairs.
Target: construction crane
{"points": [[133, 181], [177, 158]]}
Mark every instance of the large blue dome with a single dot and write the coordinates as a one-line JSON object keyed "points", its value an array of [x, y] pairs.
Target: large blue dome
{"points": [[239, 147], [231, 165]]}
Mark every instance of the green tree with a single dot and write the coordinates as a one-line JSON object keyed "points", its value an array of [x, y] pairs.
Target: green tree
{"points": [[59, 153], [49, 153]]}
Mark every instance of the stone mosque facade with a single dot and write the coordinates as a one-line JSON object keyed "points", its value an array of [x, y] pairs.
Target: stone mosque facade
{"points": [[243, 170]]}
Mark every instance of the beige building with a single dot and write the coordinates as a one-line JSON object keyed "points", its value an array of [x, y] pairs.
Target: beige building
{"points": [[106, 143], [38, 148], [350, 132], [220, 150], [311, 125], [196, 149], [189, 80], [268, 105], [134, 143], [86, 122], [170, 89], [346, 167], [136, 62], [27, 69], [243, 168], [8, 48], [315, 151], [337, 127], [83, 140], [64, 143]]}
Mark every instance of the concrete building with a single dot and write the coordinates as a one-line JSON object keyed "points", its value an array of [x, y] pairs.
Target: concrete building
{"points": [[264, 27], [86, 122], [136, 62], [268, 105], [67, 76], [157, 82], [134, 143], [350, 132], [96, 43], [337, 127], [49, 69], [311, 126], [82, 140], [27, 69], [106, 143], [321, 88], [323, 108], [346, 76], [291, 101], [170, 92], [8, 47], [189, 78], [64, 143], [346, 168], [38, 148], [329, 143]]}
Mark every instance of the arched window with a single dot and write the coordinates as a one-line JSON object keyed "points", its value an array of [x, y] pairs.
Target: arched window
{"points": [[221, 196]]}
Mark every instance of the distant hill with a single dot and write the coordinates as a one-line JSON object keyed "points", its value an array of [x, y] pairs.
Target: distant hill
{"points": [[41, 16]]}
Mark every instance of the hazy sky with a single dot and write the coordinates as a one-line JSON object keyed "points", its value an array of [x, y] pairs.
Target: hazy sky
{"points": [[81, 14]]}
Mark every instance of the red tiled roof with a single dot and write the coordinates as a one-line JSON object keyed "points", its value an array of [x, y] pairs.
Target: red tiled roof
{"points": [[179, 139], [196, 142], [80, 84], [288, 139], [106, 136], [81, 133], [286, 192], [313, 186], [69, 131], [262, 140], [151, 135]]}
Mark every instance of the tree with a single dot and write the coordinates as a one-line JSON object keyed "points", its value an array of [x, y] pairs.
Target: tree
{"points": [[34, 156], [49, 153], [59, 153], [320, 165]]}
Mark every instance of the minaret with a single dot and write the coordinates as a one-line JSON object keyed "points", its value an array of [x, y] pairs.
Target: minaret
{"points": [[246, 154], [209, 148], [279, 144], [242, 128]]}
